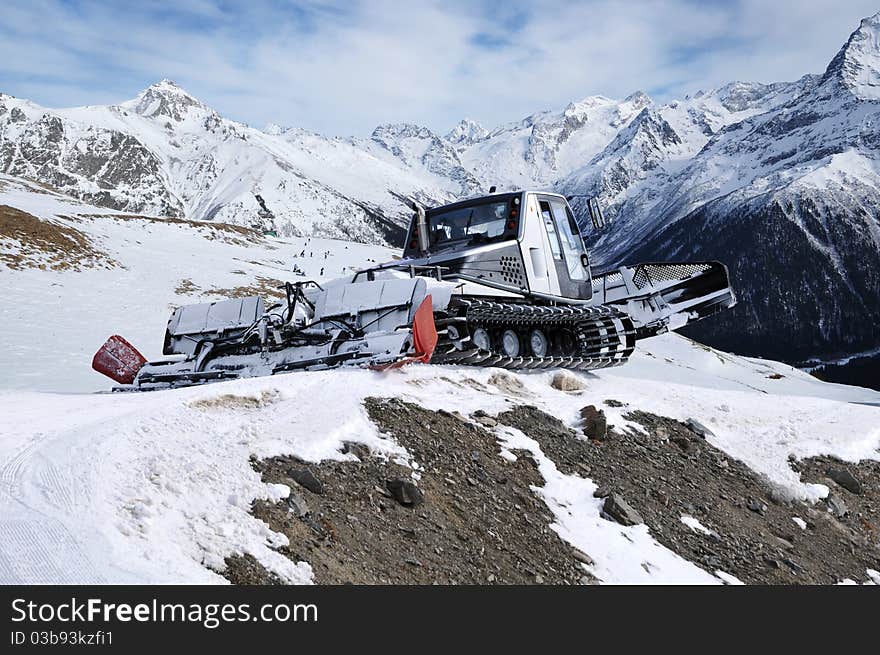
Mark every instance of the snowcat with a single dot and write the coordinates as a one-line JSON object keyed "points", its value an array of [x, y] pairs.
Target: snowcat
{"points": [[501, 280]]}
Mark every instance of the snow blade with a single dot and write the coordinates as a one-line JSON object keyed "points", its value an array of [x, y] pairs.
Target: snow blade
{"points": [[424, 330], [118, 360]]}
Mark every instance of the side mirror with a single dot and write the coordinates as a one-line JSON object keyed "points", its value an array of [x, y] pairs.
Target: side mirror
{"points": [[596, 215]]}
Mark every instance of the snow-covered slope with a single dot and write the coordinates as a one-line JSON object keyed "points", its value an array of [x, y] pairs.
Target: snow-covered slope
{"points": [[630, 173], [790, 200], [105, 272], [544, 147], [170, 496]]}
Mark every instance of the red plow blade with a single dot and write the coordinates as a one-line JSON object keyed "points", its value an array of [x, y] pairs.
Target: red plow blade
{"points": [[118, 360], [424, 337]]}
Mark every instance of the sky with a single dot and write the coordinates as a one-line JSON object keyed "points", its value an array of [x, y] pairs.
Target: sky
{"points": [[341, 68]]}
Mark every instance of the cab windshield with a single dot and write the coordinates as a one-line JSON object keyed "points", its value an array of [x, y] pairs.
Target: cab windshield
{"points": [[485, 222]]}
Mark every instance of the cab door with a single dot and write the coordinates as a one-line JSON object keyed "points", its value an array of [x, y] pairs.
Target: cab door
{"points": [[567, 248]]}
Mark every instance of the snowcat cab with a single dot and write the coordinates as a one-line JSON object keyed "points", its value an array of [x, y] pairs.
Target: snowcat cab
{"points": [[524, 242]]}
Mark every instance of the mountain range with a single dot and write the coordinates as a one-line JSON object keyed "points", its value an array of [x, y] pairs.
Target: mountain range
{"points": [[780, 181]]}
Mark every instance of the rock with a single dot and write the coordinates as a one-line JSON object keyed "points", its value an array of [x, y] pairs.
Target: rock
{"points": [[836, 506], [601, 492], [681, 441], [699, 429], [507, 383], [405, 492], [582, 557], [305, 478], [297, 504], [783, 543], [486, 421], [613, 403], [845, 479], [359, 450], [794, 566], [619, 510], [566, 382], [713, 561], [595, 426], [757, 506]]}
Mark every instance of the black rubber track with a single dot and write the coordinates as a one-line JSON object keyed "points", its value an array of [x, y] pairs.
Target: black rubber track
{"points": [[605, 336]]}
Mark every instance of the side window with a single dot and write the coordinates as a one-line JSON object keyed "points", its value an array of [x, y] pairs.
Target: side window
{"points": [[547, 219], [572, 244]]}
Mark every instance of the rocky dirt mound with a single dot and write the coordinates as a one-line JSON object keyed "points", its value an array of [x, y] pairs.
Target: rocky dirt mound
{"points": [[733, 521], [470, 518]]}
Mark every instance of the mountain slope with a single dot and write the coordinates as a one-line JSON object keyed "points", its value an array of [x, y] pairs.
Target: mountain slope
{"points": [[790, 199], [165, 153]]}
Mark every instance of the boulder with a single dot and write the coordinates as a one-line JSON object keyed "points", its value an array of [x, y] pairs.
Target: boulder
{"points": [[845, 479], [836, 506], [565, 381], [618, 509], [595, 426], [306, 479], [405, 492], [699, 429]]}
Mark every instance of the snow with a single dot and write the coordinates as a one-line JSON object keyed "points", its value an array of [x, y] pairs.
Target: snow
{"points": [[156, 487], [728, 579], [56, 320], [170, 492], [626, 555], [695, 525], [799, 522]]}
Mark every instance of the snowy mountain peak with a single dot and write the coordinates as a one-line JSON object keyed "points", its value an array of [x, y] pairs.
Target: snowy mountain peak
{"points": [[588, 103], [401, 130], [857, 65], [638, 99], [274, 129], [466, 133], [163, 100]]}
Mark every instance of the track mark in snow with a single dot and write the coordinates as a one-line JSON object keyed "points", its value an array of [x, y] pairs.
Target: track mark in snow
{"points": [[10, 472], [40, 551], [58, 488]]}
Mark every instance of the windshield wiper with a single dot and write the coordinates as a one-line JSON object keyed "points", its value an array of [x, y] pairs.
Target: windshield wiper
{"points": [[467, 227]]}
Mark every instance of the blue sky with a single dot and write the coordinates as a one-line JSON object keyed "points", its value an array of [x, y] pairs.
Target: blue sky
{"points": [[343, 67]]}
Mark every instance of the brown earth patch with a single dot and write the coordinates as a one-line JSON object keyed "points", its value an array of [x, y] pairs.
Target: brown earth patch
{"points": [[246, 570], [228, 232], [265, 287], [47, 244], [186, 287], [234, 401]]}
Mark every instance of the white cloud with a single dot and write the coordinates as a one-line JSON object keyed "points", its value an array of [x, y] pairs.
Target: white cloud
{"points": [[342, 67]]}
